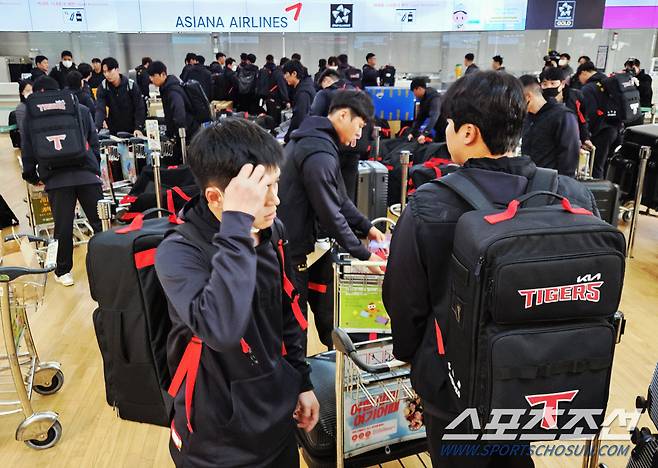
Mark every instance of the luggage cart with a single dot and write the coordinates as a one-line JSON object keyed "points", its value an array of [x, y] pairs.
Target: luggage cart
{"points": [[21, 294]]}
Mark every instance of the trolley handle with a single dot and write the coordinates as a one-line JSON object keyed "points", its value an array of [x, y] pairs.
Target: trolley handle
{"points": [[31, 238], [11, 273], [343, 343]]}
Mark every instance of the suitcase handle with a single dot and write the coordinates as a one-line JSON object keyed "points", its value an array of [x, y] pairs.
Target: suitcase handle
{"points": [[513, 207]]}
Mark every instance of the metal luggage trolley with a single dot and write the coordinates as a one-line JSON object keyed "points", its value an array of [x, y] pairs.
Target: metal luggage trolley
{"points": [[21, 294], [377, 411]]}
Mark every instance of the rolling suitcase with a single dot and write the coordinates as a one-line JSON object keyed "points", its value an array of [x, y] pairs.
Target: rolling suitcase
{"points": [[607, 195], [372, 189], [645, 452]]}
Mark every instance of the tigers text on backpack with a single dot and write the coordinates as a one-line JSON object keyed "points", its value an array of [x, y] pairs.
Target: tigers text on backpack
{"points": [[55, 129], [623, 98], [200, 106], [247, 78], [533, 297]]}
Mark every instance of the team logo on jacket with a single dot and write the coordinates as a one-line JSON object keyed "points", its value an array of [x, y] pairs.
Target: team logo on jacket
{"points": [[586, 289], [60, 104], [550, 403], [341, 15], [57, 140]]}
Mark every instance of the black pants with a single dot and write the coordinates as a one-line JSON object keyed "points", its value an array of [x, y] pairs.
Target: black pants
{"points": [[445, 453], [349, 169], [62, 203], [289, 456], [603, 142]]}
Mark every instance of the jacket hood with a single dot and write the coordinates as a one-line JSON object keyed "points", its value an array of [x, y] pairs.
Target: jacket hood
{"points": [[340, 84], [171, 80], [196, 211], [317, 127], [430, 93], [306, 84]]}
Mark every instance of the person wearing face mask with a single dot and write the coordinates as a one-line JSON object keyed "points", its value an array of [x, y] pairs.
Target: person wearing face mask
{"points": [[122, 98], [550, 131], [563, 63], [644, 81], [313, 189], [554, 86], [332, 63], [65, 66]]}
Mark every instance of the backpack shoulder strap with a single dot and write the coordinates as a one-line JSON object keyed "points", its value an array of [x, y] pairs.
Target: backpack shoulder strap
{"points": [[543, 180], [466, 189]]}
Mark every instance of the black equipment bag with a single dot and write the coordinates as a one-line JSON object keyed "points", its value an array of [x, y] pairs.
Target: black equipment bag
{"points": [[533, 294], [433, 168], [607, 199], [132, 319], [172, 198], [247, 78], [387, 76], [199, 103], [220, 87], [354, 76], [624, 98], [55, 129], [7, 217]]}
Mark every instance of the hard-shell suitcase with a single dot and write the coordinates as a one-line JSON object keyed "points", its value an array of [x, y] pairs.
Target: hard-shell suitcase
{"points": [[372, 189], [645, 453], [607, 196]]}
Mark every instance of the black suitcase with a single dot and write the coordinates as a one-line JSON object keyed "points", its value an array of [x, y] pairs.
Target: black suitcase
{"points": [[132, 320], [645, 453], [319, 445], [607, 196], [372, 189]]}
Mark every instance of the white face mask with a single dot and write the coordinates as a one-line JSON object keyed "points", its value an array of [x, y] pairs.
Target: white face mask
{"points": [[67, 63], [562, 62], [26, 95], [333, 68]]}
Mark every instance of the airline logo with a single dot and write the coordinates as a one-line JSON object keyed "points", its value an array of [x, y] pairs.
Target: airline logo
{"points": [[586, 289], [550, 402], [60, 104], [57, 140]]}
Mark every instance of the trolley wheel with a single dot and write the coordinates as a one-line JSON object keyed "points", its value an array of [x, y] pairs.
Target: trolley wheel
{"points": [[53, 436], [627, 216], [56, 382]]}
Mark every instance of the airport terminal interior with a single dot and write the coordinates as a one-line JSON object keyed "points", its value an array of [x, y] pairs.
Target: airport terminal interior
{"points": [[417, 49]]}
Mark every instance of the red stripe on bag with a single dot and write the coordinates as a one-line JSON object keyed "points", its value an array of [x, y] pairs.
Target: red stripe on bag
{"points": [[128, 199], [290, 291], [372, 336], [283, 349], [187, 370], [317, 287], [145, 258], [439, 339]]}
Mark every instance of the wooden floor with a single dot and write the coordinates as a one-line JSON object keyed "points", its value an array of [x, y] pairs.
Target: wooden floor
{"points": [[95, 437]]}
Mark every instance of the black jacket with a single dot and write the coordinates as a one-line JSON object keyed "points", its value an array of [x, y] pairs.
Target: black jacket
{"points": [[244, 398], [596, 104], [203, 76], [143, 80], [60, 72], [301, 104], [176, 106], [65, 177], [575, 102], [216, 67], [417, 283], [316, 78], [322, 100], [127, 110], [370, 76], [85, 99], [430, 110], [280, 92], [37, 73], [312, 188], [472, 68], [185, 71], [96, 79], [646, 91], [551, 138]]}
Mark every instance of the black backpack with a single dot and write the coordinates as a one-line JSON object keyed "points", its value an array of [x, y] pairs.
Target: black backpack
{"points": [[266, 82], [533, 295], [387, 76], [7, 217], [354, 75], [220, 85], [247, 80], [55, 129], [199, 104], [623, 103]]}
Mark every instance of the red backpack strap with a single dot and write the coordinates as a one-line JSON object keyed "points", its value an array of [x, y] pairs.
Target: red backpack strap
{"points": [[173, 218], [187, 370], [290, 290]]}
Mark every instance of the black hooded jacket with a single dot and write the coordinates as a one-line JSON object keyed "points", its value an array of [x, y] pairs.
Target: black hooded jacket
{"points": [[176, 107], [645, 88], [596, 103], [228, 293], [127, 110], [301, 104], [312, 188], [430, 110], [322, 100], [370, 76], [201, 74], [417, 284], [60, 72]]}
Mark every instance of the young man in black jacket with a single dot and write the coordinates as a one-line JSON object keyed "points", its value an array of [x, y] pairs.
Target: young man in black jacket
{"points": [[97, 73], [430, 111], [304, 92], [312, 189], [485, 114], [370, 73], [123, 98], [550, 131], [200, 73], [644, 81], [41, 67], [67, 185], [190, 61], [143, 76], [223, 275], [275, 97], [65, 66], [74, 84]]}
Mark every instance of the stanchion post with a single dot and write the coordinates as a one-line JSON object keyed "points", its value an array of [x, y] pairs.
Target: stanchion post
{"points": [[405, 157], [156, 181], [104, 208], [377, 131], [645, 154], [183, 144]]}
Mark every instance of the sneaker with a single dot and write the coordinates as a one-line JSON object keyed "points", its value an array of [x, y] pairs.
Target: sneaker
{"points": [[65, 280]]}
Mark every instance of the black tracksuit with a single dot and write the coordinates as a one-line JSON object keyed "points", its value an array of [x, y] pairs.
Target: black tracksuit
{"points": [[96, 79], [322, 99], [201, 74], [312, 189], [645, 88], [575, 102], [472, 68], [175, 105], [604, 133], [60, 72], [370, 76], [228, 293], [185, 71], [127, 110], [37, 73], [85, 99], [430, 110], [551, 138], [301, 104], [277, 96], [416, 289], [247, 102], [66, 186], [143, 80]]}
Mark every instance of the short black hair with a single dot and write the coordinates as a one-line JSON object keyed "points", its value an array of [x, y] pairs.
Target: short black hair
{"points": [[217, 153], [470, 57], [283, 61], [358, 102], [190, 56], [493, 102], [157, 68], [40, 58], [630, 62], [587, 59], [498, 59], [553, 74], [418, 83], [328, 72], [230, 61], [84, 69], [586, 67], [332, 61], [147, 61], [369, 56], [74, 80], [201, 59], [636, 62], [21, 87], [296, 56], [343, 59], [322, 63], [530, 82], [566, 56], [251, 58], [95, 60], [45, 83], [110, 62], [269, 58], [66, 53], [219, 55], [243, 56], [294, 66]]}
